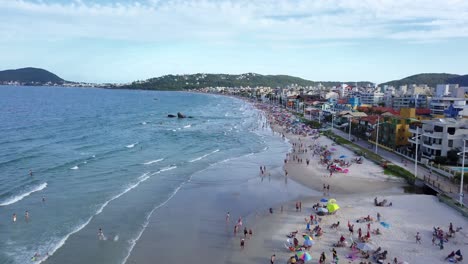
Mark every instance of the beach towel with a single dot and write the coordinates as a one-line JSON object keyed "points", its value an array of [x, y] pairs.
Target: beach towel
{"points": [[385, 224]]}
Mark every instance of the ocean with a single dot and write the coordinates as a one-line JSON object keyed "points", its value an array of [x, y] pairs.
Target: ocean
{"points": [[112, 159]]}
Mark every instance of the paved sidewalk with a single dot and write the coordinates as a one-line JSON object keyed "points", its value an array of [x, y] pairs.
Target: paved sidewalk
{"points": [[434, 179]]}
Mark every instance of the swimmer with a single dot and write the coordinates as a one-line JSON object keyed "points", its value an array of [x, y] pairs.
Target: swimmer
{"points": [[26, 215], [14, 217], [100, 234]]}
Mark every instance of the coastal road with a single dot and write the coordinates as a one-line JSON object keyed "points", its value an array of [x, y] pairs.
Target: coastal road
{"points": [[436, 180]]}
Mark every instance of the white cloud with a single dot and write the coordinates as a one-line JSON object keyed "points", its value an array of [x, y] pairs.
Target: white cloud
{"points": [[241, 21]]}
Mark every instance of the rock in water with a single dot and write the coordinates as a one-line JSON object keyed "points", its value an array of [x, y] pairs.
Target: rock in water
{"points": [[180, 115], [171, 116]]}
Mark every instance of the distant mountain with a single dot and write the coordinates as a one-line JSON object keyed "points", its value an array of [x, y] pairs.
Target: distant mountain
{"points": [[200, 80], [431, 79], [462, 80], [30, 76]]}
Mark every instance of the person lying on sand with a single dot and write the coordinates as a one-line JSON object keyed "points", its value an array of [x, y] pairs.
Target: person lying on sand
{"points": [[335, 225], [376, 231]]}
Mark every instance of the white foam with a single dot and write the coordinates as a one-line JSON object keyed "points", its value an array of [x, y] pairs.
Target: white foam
{"points": [[145, 224], [143, 123], [74, 168], [153, 161], [204, 156], [21, 196], [141, 179], [187, 126], [132, 145], [166, 169]]}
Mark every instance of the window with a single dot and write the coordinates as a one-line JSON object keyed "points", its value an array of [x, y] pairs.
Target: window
{"points": [[450, 143], [451, 130], [438, 129]]}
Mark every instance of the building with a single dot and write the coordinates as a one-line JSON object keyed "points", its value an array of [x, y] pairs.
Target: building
{"points": [[439, 105], [373, 98], [393, 129], [437, 137], [410, 101]]}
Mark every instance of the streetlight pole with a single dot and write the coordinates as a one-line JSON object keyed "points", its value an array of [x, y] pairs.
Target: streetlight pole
{"points": [[416, 154], [462, 172], [377, 134], [349, 134], [332, 123]]}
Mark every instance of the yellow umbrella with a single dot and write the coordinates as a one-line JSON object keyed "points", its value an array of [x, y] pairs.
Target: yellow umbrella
{"points": [[332, 201], [332, 207]]}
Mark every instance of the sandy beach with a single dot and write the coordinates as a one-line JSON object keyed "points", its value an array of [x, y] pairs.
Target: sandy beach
{"points": [[355, 192]]}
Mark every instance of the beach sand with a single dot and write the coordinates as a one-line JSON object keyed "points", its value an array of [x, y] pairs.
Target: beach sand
{"points": [[354, 192]]}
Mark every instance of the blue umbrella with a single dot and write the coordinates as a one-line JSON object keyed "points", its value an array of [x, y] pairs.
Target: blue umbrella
{"points": [[309, 242], [323, 200], [343, 157]]}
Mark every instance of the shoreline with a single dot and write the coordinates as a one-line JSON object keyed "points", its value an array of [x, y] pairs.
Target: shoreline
{"points": [[350, 190]]}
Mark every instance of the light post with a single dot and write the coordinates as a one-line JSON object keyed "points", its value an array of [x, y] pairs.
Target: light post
{"points": [[462, 171], [349, 134], [377, 134], [416, 139], [332, 123]]}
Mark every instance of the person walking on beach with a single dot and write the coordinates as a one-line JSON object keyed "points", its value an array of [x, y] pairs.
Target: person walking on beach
{"points": [[227, 217], [272, 259], [250, 233], [378, 217], [242, 243], [245, 232], [418, 238], [300, 206], [297, 206], [328, 189], [236, 227], [322, 258], [351, 229]]}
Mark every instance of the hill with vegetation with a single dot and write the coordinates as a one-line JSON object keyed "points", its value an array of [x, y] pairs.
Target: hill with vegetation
{"points": [[200, 80], [30, 76], [462, 80], [431, 79]]}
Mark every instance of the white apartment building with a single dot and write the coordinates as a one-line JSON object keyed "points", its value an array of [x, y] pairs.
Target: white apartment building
{"points": [[373, 98], [439, 136], [410, 101], [439, 104]]}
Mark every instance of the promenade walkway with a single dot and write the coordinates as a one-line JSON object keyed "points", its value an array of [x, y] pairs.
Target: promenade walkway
{"points": [[433, 179]]}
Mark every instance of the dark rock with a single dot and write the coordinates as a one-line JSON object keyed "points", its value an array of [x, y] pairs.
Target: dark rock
{"points": [[190, 117], [171, 116], [180, 115]]}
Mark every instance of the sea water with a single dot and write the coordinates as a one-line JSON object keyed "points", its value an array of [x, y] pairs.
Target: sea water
{"points": [[112, 159]]}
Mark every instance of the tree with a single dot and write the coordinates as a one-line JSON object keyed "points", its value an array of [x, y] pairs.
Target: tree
{"points": [[452, 156]]}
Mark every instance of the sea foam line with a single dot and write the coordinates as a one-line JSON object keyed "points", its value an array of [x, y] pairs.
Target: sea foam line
{"points": [[132, 145], [20, 197], [145, 224], [142, 178], [204, 156], [153, 161]]}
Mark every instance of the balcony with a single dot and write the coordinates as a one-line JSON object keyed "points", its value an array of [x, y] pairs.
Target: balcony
{"points": [[432, 146]]}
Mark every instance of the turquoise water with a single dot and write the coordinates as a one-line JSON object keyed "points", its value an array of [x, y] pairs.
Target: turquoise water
{"points": [[459, 169], [110, 159]]}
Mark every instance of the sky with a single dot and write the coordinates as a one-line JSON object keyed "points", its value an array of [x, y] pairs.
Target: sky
{"points": [[320, 40]]}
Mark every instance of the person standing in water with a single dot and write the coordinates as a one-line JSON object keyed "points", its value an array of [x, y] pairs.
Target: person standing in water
{"points": [[26, 216], [30, 173], [227, 217], [100, 234], [14, 217]]}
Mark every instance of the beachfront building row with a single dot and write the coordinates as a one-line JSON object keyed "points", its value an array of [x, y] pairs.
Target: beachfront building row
{"points": [[438, 137]]}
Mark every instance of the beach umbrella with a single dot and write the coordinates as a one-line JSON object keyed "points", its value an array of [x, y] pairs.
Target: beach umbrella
{"points": [[322, 209], [343, 157], [365, 246], [307, 237], [324, 200], [309, 242], [304, 256], [332, 207], [385, 224], [332, 201]]}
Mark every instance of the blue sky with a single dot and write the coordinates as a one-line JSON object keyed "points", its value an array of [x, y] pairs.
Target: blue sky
{"points": [[126, 40]]}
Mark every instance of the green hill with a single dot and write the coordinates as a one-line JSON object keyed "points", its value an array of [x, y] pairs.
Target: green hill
{"points": [[200, 80], [30, 76], [462, 80], [431, 79]]}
